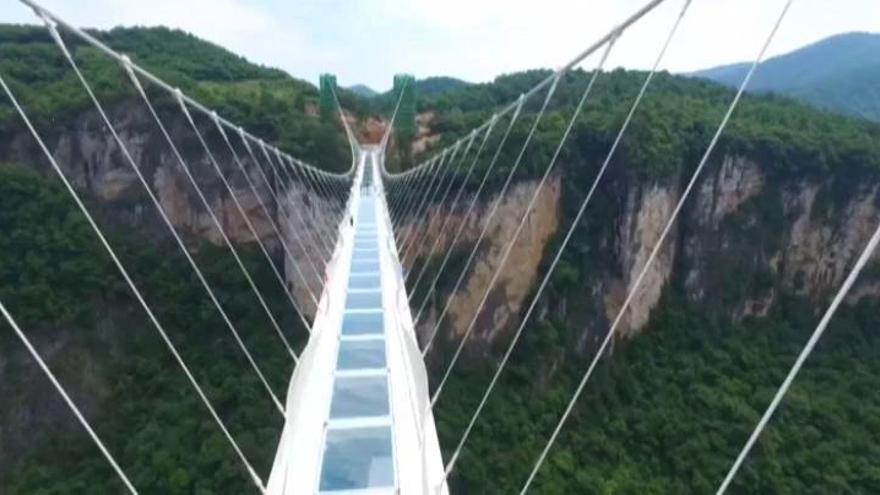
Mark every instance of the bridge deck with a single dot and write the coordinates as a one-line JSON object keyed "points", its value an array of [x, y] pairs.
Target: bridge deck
{"points": [[358, 420]]}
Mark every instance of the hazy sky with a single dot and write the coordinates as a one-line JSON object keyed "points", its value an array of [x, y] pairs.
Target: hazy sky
{"points": [[367, 41]]}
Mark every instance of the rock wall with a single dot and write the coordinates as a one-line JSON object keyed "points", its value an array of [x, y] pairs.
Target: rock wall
{"points": [[748, 232], [93, 162]]}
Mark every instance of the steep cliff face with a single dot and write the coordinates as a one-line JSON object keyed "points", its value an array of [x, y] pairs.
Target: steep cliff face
{"points": [[92, 161], [520, 269], [748, 234]]}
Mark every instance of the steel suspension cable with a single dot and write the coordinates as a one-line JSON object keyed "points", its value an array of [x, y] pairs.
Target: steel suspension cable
{"points": [[263, 206], [393, 194], [240, 208], [419, 186], [415, 180], [352, 141], [278, 201], [461, 226], [429, 211], [487, 223], [440, 173], [161, 210], [863, 260], [657, 246], [301, 174], [63, 393], [515, 237], [326, 192], [318, 226], [417, 175], [314, 233], [102, 47], [130, 282], [216, 221], [384, 142], [432, 210], [323, 191], [418, 199], [632, 19], [322, 227], [453, 206], [635, 105]]}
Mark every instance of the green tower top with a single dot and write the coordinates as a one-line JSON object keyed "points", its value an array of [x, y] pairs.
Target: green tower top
{"points": [[327, 101], [405, 123]]}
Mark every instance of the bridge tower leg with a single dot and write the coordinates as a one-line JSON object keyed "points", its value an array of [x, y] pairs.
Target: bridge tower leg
{"points": [[326, 102]]}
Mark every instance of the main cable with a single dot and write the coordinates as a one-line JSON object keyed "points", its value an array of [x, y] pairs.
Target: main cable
{"points": [[611, 331], [162, 214], [487, 222], [137, 293], [515, 237], [216, 221], [451, 463], [451, 210], [240, 208], [467, 216]]}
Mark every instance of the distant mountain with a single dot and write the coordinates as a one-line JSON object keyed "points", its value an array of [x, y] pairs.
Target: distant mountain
{"points": [[840, 73], [436, 86], [363, 90]]}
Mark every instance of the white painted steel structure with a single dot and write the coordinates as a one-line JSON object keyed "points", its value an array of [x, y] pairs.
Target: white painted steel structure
{"points": [[358, 413], [358, 419]]}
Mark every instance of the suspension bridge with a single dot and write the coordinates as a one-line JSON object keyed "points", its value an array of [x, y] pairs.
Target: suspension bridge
{"points": [[358, 411]]}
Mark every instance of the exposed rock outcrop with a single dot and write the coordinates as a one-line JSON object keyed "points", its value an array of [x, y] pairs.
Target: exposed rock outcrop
{"points": [[93, 161], [747, 232]]}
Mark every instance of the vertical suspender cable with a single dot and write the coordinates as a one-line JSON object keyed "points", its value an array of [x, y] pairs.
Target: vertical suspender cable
{"points": [[451, 464], [125, 152], [319, 229], [512, 242], [637, 284], [237, 159], [183, 108], [426, 210], [420, 200], [461, 226], [423, 203], [137, 293], [452, 208], [420, 185], [275, 194], [491, 216], [63, 393], [185, 167], [262, 205], [414, 179], [431, 211]]}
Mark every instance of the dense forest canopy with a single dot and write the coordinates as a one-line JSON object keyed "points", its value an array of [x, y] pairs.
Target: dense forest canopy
{"points": [[665, 414], [669, 410], [63, 289], [672, 122], [266, 101]]}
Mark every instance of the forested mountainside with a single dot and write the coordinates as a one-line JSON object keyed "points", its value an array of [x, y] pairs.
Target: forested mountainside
{"points": [[266, 101], [786, 203], [840, 73], [61, 285]]}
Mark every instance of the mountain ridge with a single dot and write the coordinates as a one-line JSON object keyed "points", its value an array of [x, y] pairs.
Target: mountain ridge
{"points": [[839, 73]]}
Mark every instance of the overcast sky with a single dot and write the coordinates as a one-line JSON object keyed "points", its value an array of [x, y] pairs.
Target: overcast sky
{"points": [[368, 41]]}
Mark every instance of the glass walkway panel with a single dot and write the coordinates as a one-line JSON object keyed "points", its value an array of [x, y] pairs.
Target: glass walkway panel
{"points": [[358, 420]]}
